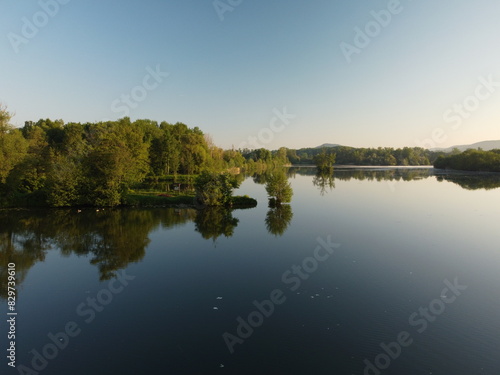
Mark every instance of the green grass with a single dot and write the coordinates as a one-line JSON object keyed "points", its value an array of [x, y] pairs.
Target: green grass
{"points": [[180, 178], [148, 199], [134, 199], [145, 199]]}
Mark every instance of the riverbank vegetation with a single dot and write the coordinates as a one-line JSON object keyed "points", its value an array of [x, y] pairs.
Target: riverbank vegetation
{"points": [[471, 160], [278, 188], [324, 160], [366, 156], [50, 163]]}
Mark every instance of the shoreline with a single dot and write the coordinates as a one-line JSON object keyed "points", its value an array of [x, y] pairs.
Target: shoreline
{"points": [[149, 201], [347, 166]]}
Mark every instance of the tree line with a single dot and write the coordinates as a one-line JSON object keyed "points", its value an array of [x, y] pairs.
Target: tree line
{"points": [[366, 156], [470, 160], [56, 164], [52, 163]]}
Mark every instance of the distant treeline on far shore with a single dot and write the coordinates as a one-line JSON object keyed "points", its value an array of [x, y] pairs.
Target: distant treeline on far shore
{"points": [[470, 160]]}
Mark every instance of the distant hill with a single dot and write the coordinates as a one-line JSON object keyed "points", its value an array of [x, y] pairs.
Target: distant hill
{"points": [[485, 145], [328, 145]]}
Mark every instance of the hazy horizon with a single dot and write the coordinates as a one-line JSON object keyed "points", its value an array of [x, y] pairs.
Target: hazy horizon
{"points": [[287, 73]]}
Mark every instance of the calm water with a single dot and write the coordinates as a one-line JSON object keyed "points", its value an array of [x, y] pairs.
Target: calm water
{"points": [[154, 290]]}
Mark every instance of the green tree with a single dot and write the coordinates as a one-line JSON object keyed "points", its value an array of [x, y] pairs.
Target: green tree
{"points": [[13, 146], [470, 160], [29, 176], [117, 160], [324, 160], [215, 189], [278, 188], [64, 181], [233, 158], [292, 156], [281, 156]]}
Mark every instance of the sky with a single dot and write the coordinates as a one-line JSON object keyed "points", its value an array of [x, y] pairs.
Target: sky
{"points": [[294, 73]]}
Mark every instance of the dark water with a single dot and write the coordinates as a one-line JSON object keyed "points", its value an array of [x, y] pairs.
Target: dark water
{"points": [[146, 291]]}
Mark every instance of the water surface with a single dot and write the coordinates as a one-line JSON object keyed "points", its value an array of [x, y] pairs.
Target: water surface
{"points": [[180, 279]]}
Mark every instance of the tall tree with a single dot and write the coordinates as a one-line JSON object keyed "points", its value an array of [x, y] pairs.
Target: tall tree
{"points": [[278, 188], [13, 146]]}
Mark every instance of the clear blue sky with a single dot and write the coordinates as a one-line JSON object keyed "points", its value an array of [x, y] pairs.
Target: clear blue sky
{"points": [[228, 76]]}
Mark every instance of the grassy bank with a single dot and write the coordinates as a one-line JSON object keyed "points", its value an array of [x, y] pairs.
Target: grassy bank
{"points": [[154, 199], [165, 200], [136, 199]]}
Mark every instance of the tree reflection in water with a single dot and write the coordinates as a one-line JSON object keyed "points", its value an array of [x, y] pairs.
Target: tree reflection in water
{"points": [[213, 222], [112, 239], [278, 219], [324, 180]]}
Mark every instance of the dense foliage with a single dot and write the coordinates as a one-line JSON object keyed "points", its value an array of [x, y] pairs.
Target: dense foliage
{"points": [[56, 164], [471, 160], [50, 163], [324, 160], [215, 189], [367, 156], [278, 188]]}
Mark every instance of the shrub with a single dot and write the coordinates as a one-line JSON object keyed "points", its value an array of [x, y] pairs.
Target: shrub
{"points": [[214, 189]]}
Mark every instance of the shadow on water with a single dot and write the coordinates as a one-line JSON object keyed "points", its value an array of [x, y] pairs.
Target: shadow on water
{"points": [[466, 180], [478, 181], [111, 239]]}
